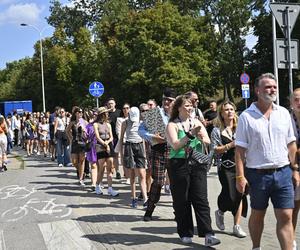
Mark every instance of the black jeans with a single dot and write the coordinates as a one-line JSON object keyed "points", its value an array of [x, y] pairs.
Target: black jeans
{"points": [[189, 188], [16, 137]]}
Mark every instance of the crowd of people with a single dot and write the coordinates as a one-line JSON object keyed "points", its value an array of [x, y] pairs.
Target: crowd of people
{"points": [[256, 154]]}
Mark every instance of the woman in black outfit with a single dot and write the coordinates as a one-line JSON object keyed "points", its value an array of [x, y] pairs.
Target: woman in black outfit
{"points": [[223, 143], [77, 135]]}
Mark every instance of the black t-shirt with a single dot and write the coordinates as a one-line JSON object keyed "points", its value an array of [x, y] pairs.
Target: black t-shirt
{"points": [[113, 119], [209, 116]]}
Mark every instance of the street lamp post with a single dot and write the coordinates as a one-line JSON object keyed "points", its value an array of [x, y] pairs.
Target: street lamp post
{"points": [[42, 62]]}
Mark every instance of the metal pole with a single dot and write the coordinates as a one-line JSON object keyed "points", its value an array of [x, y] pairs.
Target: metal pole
{"points": [[289, 56], [275, 54], [42, 61], [97, 99], [42, 72]]}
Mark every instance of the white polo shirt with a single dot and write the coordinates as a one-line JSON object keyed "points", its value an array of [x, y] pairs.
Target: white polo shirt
{"points": [[265, 140]]}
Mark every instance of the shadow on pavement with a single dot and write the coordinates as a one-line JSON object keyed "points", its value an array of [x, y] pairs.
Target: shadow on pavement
{"points": [[137, 240]]}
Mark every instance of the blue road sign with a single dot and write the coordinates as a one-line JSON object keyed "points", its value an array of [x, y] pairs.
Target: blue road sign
{"points": [[246, 93], [96, 89], [244, 78]]}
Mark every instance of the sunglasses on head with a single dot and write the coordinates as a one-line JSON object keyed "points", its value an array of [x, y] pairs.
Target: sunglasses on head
{"points": [[169, 99]]}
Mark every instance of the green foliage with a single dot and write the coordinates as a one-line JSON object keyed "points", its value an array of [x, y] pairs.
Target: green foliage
{"points": [[138, 47], [152, 49]]}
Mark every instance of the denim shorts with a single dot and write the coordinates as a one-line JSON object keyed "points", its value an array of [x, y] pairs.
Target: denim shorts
{"points": [[277, 185]]}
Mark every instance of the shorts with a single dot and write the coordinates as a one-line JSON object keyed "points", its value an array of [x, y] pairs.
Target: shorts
{"points": [[277, 185], [105, 154], [77, 148], [134, 155]]}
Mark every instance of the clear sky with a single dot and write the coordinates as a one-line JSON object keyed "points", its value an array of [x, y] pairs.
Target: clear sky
{"points": [[16, 41]]}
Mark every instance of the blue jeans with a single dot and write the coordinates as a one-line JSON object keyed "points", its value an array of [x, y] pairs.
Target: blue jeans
{"points": [[277, 185], [63, 155]]}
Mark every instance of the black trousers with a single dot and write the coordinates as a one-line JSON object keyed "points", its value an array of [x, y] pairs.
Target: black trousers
{"points": [[189, 188], [229, 199], [16, 137]]}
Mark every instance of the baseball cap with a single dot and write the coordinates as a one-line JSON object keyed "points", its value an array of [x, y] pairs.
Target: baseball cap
{"points": [[134, 114]]}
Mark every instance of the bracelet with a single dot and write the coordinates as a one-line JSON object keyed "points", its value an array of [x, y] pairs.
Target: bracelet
{"points": [[188, 134], [239, 177]]}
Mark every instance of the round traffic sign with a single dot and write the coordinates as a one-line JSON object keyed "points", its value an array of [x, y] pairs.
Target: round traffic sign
{"points": [[244, 78], [96, 89]]}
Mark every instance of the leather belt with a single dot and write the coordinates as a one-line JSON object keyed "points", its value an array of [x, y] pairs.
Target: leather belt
{"points": [[269, 170]]}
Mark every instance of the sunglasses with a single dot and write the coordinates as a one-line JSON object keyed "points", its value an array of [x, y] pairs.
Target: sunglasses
{"points": [[145, 110], [126, 108], [168, 99]]}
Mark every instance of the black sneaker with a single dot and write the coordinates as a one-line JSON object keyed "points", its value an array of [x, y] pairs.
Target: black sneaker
{"points": [[118, 176], [148, 216], [4, 167], [140, 197]]}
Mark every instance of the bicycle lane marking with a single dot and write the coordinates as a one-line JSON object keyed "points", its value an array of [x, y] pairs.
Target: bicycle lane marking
{"points": [[50, 208], [2, 241], [65, 234]]}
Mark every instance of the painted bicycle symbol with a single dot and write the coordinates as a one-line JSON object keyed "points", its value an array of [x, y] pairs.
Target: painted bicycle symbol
{"points": [[15, 191], [48, 207]]}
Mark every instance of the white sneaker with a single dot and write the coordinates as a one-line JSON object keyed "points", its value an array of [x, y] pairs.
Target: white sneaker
{"points": [[60, 165], [98, 189], [238, 231], [186, 240], [167, 189], [81, 183], [211, 240], [38, 153], [112, 192], [220, 220], [295, 245]]}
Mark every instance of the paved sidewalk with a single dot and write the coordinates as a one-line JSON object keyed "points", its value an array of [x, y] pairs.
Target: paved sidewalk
{"points": [[104, 222], [110, 223]]}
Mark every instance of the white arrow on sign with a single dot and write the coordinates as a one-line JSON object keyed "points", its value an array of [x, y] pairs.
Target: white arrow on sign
{"points": [[245, 87], [278, 10]]}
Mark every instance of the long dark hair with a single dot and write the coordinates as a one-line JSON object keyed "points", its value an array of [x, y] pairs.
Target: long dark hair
{"points": [[176, 105], [74, 111]]}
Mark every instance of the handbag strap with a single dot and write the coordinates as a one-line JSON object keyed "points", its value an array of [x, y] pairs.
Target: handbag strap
{"points": [[187, 149]]}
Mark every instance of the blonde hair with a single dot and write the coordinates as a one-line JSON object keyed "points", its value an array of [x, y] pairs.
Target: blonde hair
{"points": [[220, 120]]}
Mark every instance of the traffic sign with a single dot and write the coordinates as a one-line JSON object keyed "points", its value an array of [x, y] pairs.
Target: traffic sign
{"points": [[280, 10], [96, 89], [245, 87], [244, 78], [282, 54], [246, 93]]}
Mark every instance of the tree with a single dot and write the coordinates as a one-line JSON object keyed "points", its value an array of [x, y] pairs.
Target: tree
{"points": [[151, 49]]}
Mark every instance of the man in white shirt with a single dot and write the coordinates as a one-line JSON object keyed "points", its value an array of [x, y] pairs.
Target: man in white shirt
{"points": [[266, 161]]}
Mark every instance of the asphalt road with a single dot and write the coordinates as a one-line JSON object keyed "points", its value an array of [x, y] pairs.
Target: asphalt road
{"points": [[43, 207]]}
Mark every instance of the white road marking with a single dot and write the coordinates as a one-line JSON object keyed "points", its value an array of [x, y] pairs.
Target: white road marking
{"points": [[65, 234], [2, 241]]}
